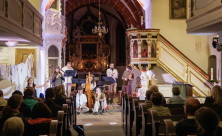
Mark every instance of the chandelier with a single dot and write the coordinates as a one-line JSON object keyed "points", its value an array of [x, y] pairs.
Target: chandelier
{"points": [[100, 29]]}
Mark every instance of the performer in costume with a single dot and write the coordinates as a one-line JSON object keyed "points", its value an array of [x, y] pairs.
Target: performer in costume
{"points": [[57, 77], [100, 100], [112, 72], [81, 101], [127, 78], [32, 84], [68, 80]]}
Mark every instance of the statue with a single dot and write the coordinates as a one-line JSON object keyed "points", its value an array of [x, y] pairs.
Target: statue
{"points": [[144, 82], [76, 33], [152, 81], [75, 61], [103, 62]]}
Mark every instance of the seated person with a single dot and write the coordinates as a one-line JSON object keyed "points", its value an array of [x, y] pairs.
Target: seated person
{"points": [[28, 97], [207, 121], [216, 96], [62, 87], [11, 110], [39, 124], [148, 102], [81, 101], [50, 102], [24, 109], [176, 99], [59, 99], [156, 89], [188, 126], [13, 126], [3, 102], [157, 99], [100, 99]]}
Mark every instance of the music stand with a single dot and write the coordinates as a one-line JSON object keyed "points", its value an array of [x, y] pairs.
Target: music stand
{"points": [[69, 73], [110, 81]]}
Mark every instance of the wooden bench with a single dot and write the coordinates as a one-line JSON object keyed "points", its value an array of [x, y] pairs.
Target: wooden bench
{"points": [[158, 124], [125, 113], [123, 109], [146, 129], [53, 128], [137, 122], [130, 116]]}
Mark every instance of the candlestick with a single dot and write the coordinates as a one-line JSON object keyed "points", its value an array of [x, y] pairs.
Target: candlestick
{"points": [[211, 73]]}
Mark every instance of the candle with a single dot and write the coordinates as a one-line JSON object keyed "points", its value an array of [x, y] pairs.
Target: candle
{"points": [[211, 73], [107, 65]]}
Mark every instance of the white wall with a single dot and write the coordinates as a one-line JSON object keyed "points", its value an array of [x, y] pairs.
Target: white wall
{"points": [[175, 32]]}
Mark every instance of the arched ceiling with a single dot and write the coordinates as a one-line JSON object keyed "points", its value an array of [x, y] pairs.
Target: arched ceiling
{"points": [[130, 10]]}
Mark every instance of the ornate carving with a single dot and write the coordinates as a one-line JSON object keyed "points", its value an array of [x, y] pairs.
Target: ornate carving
{"points": [[149, 35], [54, 22], [145, 83]]}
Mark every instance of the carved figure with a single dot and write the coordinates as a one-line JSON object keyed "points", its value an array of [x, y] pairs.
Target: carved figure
{"points": [[103, 63], [75, 61], [152, 81], [144, 82]]}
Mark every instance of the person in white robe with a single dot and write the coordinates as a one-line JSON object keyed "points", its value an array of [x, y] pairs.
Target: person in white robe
{"points": [[112, 72], [68, 80], [30, 65]]}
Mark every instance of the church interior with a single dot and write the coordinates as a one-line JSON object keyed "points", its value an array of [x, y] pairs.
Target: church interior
{"points": [[110, 67]]}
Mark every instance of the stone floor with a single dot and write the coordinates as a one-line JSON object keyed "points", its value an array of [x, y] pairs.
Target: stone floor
{"points": [[108, 124]]}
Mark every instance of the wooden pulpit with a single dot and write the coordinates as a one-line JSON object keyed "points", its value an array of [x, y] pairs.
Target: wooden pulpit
{"points": [[185, 89]]}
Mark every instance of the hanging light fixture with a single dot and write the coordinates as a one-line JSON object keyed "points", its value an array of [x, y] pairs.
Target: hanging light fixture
{"points": [[11, 43], [100, 29]]}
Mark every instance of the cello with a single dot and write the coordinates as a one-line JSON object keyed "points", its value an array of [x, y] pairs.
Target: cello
{"points": [[88, 90]]}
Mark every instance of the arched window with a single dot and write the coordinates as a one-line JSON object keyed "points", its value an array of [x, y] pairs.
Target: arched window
{"points": [[53, 57]]}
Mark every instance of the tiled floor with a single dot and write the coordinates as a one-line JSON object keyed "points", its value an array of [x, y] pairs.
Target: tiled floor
{"points": [[109, 124]]}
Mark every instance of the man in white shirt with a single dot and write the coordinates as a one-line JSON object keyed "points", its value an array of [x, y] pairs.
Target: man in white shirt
{"points": [[112, 72], [68, 80], [81, 101]]}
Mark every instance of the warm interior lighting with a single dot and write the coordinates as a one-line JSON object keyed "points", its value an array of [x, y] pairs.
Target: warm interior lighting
{"points": [[141, 3], [11, 43]]}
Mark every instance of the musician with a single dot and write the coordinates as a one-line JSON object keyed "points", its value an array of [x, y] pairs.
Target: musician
{"points": [[68, 80], [112, 72], [81, 101], [127, 78], [100, 99], [57, 77]]}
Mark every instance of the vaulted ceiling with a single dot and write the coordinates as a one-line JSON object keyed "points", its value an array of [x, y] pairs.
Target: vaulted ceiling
{"points": [[130, 10]]}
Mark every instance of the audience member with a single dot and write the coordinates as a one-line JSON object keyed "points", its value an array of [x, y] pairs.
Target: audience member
{"points": [[59, 99], [207, 121], [100, 100], [188, 126], [50, 102], [156, 89], [13, 126], [216, 96], [148, 102], [176, 99], [3, 102], [81, 101], [39, 124], [11, 110], [157, 99], [63, 91], [28, 97], [24, 109]]}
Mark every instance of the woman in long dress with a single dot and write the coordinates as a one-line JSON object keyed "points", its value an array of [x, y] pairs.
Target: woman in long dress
{"points": [[57, 77]]}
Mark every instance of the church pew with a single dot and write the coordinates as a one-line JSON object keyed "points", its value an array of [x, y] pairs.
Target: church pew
{"points": [[130, 116], [146, 129], [74, 107], [65, 127], [60, 118], [137, 116], [125, 113], [53, 128], [68, 102], [72, 110], [124, 95], [158, 124], [170, 131]]}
